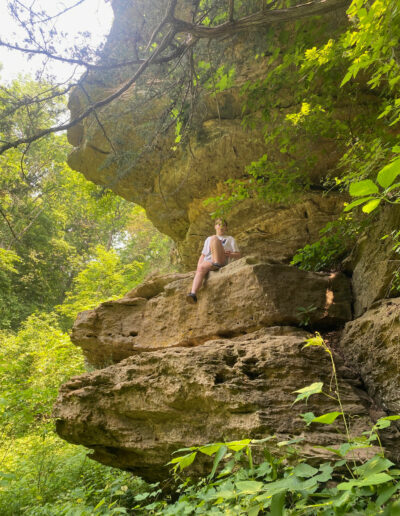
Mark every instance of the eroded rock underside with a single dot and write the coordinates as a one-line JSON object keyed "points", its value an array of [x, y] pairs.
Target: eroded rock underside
{"points": [[172, 185]]}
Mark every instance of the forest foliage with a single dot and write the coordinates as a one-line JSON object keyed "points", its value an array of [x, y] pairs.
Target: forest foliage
{"points": [[67, 245]]}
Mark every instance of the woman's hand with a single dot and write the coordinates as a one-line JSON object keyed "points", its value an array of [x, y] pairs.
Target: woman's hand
{"points": [[232, 254]]}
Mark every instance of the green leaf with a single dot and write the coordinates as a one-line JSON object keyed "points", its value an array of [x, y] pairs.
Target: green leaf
{"points": [[386, 493], [365, 187], [187, 460], [184, 461], [218, 457], [393, 509], [328, 418], [314, 341], [325, 472], [253, 511], [238, 445], [210, 449], [372, 480], [277, 504], [371, 205], [357, 202], [346, 78], [308, 417], [304, 470], [228, 468], [388, 418], [102, 502], [375, 465], [309, 390], [249, 486], [385, 422], [388, 174]]}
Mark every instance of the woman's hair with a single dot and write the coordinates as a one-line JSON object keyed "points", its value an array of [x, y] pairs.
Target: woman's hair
{"points": [[221, 221]]}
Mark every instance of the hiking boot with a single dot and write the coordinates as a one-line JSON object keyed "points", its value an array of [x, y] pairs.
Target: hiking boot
{"points": [[191, 298]]}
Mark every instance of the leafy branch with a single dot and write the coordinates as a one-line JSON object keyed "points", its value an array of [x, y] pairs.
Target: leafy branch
{"points": [[371, 194]]}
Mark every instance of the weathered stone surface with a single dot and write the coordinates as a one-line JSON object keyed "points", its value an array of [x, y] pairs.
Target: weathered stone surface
{"points": [[371, 344], [238, 299], [136, 413], [375, 261]]}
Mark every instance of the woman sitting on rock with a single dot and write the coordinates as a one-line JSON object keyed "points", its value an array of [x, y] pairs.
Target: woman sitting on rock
{"points": [[218, 251]]}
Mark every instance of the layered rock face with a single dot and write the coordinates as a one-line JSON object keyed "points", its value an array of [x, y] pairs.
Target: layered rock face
{"points": [[374, 261], [238, 299], [371, 344]]}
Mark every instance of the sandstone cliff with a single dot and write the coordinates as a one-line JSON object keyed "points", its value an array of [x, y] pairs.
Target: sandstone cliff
{"points": [[172, 375]]}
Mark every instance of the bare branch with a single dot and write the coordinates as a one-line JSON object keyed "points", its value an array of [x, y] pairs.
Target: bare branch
{"points": [[92, 66], [168, 16], [3, 214], [97, 118], [44, 20], [97, 105]]}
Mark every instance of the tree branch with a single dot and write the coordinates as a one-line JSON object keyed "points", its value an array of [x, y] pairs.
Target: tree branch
{"points": [[260, 19], [3, 214], [198, 31], [63, 127], [231, 9], [91, 66]]}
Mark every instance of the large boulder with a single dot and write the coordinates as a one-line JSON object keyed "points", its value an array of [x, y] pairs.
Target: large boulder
{"points": [[375, 261], [371, 345], [133, 415], [240, 298]]}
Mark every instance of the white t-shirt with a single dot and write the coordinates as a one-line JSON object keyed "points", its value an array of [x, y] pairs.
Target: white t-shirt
{"points": [[228, 243]]}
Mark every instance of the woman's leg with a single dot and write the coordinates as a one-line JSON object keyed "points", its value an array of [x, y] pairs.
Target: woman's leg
{"points": [[217, 250], [201, 272]]}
